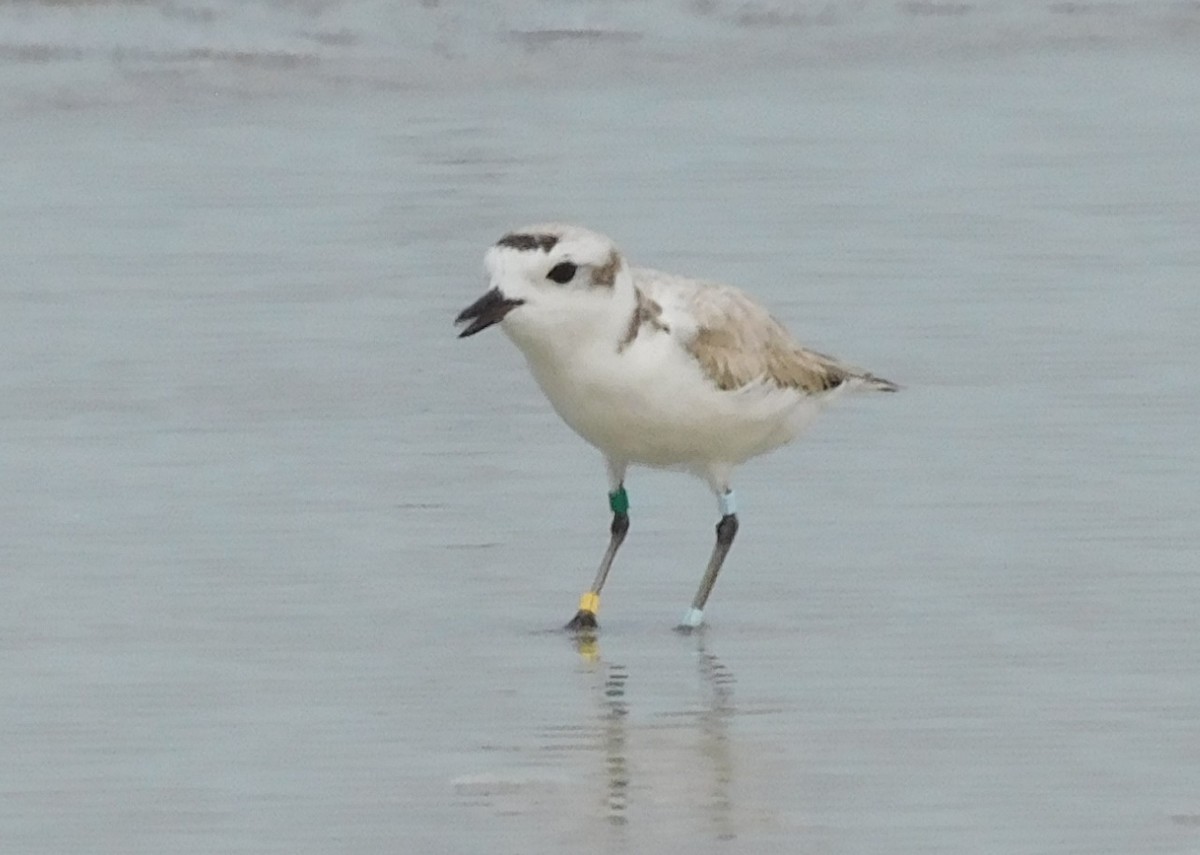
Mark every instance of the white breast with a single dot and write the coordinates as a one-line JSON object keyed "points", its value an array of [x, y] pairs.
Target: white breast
{"points": [[651, 404]]}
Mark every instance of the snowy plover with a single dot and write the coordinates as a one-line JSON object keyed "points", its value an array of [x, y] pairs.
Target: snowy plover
{"points": [[653, 369]]}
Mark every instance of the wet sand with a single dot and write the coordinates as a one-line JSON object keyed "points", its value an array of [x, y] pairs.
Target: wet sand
{"points": [[284, 560]]}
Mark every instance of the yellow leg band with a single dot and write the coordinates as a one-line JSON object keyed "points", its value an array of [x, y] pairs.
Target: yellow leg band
{"points": [[590, 602]]}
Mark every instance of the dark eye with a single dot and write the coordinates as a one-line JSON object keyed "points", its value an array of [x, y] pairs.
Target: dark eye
{"points": [[562, 273]]}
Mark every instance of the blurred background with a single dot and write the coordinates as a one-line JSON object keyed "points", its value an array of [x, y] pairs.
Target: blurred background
{"points": [[284, 562]]}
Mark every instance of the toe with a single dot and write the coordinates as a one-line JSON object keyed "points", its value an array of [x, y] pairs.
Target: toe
{"points": [[583, 620]]}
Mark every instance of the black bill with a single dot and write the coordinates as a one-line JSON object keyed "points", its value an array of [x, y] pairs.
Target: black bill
{"points": [[487, 310]]}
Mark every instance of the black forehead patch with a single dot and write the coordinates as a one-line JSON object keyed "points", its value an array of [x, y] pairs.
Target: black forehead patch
{"points": [[525, 242]]}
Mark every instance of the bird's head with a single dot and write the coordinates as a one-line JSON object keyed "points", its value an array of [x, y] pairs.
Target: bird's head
{"points": [[552, 283]]}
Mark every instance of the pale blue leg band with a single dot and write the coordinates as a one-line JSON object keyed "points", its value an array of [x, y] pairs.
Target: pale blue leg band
{"points": [[727, 503], [692, 618]]}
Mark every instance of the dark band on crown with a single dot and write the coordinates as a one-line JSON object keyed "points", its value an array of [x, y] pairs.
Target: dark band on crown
{"points": [[526, 242]]}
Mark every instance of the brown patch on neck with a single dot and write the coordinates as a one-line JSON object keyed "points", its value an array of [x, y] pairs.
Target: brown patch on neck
{"points": [[605, 276], [645, 313]]}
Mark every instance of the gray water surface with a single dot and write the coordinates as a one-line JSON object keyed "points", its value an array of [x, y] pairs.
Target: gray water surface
{"points": [[284, 561]]}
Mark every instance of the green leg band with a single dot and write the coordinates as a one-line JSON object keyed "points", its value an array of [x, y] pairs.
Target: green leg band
{"points": [[619, 501]]}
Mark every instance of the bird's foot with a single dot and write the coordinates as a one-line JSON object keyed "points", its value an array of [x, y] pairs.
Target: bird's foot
{"points": [[693, 619], [583, 620]]}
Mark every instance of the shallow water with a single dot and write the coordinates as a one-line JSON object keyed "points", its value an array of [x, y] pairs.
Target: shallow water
{"points": [[285, 560]]}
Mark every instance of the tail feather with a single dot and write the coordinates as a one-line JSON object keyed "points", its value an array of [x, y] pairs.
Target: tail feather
{"points": [[859, 380], [878, 384]]}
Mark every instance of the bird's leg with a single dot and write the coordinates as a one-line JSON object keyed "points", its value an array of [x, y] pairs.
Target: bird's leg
{"points": [[589, 603], [726, 530], [618, 500]]}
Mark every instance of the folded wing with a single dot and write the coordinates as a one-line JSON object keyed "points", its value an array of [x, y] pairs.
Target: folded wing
{"points": [[737, 343]]}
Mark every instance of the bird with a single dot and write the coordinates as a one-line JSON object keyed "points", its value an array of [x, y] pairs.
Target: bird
{"points": [[653, 369]]}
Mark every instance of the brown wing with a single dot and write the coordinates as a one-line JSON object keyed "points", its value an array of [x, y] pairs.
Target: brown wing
{"points": [[735, 356], [737, 343]]}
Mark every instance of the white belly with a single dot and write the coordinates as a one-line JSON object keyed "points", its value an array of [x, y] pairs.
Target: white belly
{"points": [[652, 405]]}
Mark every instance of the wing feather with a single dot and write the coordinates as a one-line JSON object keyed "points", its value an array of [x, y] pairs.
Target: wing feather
{"points": [[737, 343]]}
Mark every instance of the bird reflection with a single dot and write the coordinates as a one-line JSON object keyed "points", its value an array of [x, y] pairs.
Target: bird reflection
{"points": [[616, 741], [715, 744], [709, 759]]}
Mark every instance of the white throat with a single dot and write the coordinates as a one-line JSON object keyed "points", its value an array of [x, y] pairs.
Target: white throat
{"points": [[577, 325]]}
